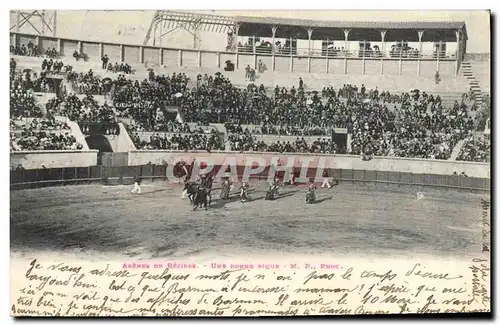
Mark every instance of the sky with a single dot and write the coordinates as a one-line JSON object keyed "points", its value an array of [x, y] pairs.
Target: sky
{"points": [[131, 26]]}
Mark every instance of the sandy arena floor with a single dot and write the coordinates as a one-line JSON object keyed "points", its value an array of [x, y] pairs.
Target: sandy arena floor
{"points": [[93, 221]]}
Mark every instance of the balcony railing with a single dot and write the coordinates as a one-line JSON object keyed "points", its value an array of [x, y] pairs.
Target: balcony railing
{"points": [[342, 53]]}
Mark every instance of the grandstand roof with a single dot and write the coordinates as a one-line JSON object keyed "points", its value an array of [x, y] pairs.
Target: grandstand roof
{"points": [[381, 25]]}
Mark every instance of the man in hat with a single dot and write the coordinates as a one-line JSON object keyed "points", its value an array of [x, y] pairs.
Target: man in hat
{"points": [[326, 180]]}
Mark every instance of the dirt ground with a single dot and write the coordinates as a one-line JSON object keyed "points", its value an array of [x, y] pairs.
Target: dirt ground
{"points": [[94, 221]]}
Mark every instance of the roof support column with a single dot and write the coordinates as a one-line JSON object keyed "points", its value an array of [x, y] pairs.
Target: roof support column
{"points": [[420, 36], [236, 29], [309, 34], [458, 55], [346, 38], [273, 29], [382, 36], [18, 21]]}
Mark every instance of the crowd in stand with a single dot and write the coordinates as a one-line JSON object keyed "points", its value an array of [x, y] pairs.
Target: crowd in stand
{"points": [[412, 124], [191, 141], [475, 150], [120, 68], [22, 100], [32, 50], [86, 110], [42, 134], [245, 141], [43, 140], [418, 125], [52, 66], [88, 83], [144, 101]]}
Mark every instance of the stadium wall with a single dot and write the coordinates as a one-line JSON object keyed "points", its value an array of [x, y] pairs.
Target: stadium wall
{"points": [[402, 165], [125, 175], [53, 159], [175, 57]]}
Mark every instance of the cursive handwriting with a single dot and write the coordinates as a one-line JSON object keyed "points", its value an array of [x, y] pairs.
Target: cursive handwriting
{"points": [[96, 290]]}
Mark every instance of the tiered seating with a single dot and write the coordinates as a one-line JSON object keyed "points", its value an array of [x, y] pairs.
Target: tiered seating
{"points": [[42, 134], [177, 137], [32, 127], [413, 124], [475, 150]]}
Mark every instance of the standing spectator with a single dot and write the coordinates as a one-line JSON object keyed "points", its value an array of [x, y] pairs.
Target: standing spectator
{"points": [[105, 60], [247, 72], [437, 77], [301, 83], [30, 48], [252, 75]]}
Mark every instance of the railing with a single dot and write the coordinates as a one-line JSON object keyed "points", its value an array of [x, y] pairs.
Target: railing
{"points": [[106, 128], [124, 175], [342, 53]]}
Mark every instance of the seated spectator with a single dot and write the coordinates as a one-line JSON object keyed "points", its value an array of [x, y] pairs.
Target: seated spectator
{"points": [[76, 55], [475, 150], [13, 65]]}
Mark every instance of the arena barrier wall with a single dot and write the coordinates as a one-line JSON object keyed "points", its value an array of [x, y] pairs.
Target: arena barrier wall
{"points": [[53, 159], [26, 179], [392, 164]]}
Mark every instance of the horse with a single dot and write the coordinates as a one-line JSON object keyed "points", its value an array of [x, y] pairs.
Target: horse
{"points": [[208, 186], [271, 193], [200, 198], [192, 188]]}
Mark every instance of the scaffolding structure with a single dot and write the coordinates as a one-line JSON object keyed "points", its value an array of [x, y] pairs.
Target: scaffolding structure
{"points": [[166, 21], [40, 22]]}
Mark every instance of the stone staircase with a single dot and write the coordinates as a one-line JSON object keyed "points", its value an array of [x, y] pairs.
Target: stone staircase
{"points": [[456, 150], [468, 73]]}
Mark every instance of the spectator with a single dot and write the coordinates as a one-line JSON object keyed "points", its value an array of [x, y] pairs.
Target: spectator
{"points": [[105, 61], [475, 150], [247, 72], [30, 48]]}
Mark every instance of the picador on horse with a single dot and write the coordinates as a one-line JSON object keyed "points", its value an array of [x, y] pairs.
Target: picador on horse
{"points": [[199, 192], [272, 191]]}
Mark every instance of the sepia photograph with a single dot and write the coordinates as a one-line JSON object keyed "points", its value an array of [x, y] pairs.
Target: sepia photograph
{"points": [[249, 163]]}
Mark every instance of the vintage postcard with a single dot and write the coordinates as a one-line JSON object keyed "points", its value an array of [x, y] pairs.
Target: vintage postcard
{"points": [[249, 163]]}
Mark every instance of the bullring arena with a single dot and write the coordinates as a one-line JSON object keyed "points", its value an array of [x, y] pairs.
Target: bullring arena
{"points": [[109, 221], [82, 132]]}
